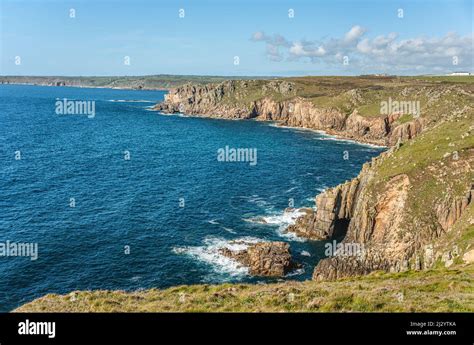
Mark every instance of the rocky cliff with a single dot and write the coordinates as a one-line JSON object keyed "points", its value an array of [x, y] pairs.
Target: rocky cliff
{"points": [[405, 202], [398, 217], [279, 101]]}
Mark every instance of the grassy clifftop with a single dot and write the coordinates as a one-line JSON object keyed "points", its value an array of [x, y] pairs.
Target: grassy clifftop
{"points": [[346, 94], [436, 290]]}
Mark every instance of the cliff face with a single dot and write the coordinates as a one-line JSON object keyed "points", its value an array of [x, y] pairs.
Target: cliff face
{"points": [[231, 100], [393, 223], [401, 207]]}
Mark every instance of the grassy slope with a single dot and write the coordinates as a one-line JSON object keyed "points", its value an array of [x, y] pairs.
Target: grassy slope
{"points": [[435, 290]]}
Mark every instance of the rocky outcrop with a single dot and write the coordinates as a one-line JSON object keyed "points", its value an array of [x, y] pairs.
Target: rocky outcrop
{"points": [[334, 210], [405, 131], [231, 100], [272, 259], [448, 212], [377, 220], [204, 100]]}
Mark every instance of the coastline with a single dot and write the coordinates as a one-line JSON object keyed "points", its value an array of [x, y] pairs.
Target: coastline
{"points": [[334, 136], [277, 124], [92, 87]]}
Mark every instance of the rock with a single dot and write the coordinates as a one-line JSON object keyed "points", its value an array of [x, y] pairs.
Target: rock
{"points": [[271, 259], [448, 213], [405, 131], [468, 257], [334, 209]]}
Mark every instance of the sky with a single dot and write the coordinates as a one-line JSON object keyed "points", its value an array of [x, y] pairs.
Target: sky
{"points": [[235, 38]]}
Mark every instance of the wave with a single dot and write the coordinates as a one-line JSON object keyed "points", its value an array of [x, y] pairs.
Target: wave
{"points": [[282, 220], [253, 199], [229, 230], [326, 136], [338, 139], [213, 221], [297, 272], [209, 253], [130, 101]]}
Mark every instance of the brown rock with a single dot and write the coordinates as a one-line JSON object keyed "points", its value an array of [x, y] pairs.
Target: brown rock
{"points": [[264, 258]]}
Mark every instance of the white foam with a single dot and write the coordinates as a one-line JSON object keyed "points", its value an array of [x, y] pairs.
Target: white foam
{"points": [[327, 136], [257, 200], [335, 138], [213, 221], [291, 189], [209, 253], [229, 230], [130, 101], [282, 220], [305, 253], [295, 272]]}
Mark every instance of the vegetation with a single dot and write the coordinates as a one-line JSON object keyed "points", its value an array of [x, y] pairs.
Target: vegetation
{"points": [[439, 290]]}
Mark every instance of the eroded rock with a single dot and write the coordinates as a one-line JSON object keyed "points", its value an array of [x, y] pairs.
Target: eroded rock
{"points": [[271, 259]]}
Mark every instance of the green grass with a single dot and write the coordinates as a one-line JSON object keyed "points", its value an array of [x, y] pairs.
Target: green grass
{"points": [[436, 290], [447, 79]]}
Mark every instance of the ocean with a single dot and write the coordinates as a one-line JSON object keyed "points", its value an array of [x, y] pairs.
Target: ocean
{"points": [[131, 199]]}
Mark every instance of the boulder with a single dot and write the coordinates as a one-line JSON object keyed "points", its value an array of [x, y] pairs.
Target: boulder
{"points": [[272, 259]]}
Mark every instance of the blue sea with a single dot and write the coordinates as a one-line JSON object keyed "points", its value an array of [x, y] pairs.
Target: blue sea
{"points": [[131, 199]]}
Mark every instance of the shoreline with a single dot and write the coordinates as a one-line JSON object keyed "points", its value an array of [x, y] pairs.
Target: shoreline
{"points": [[91, 87], [334, 136]]}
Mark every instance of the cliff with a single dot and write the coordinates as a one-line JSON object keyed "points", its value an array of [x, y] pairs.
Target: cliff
{"points": [[403, 203], [402, 206], [280, 101]]}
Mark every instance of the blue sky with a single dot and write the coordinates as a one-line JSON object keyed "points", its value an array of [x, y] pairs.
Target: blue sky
{"points": [[323, 38]]}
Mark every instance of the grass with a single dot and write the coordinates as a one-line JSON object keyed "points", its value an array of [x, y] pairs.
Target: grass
{"points": [[439, 290]]}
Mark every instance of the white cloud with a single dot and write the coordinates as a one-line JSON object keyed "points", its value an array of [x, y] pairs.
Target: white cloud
{"points": [[354, 34], [386, 52], [273, 44]]}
